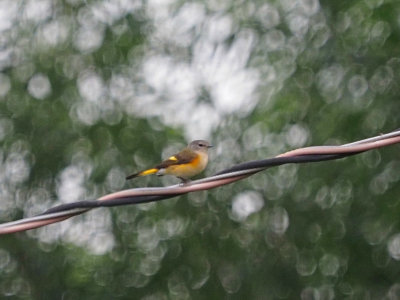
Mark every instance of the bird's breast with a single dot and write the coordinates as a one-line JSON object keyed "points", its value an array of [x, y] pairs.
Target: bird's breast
{"points": [[191, 169]]}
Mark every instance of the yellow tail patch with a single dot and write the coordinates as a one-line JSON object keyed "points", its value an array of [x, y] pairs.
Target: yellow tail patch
{"points": [[148, 172]]}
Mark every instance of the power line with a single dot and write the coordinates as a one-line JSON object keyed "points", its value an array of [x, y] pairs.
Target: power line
{"points": [[235, 173]]}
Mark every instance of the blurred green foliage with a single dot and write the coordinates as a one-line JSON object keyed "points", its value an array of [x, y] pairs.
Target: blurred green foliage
{"points": [[93, 90]]}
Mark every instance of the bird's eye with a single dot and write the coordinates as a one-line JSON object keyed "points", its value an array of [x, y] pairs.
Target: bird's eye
{"points": [[201, 145]]}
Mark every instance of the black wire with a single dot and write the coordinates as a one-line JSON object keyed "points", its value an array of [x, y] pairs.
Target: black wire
{"points": [[107, 203], [276, 161]]}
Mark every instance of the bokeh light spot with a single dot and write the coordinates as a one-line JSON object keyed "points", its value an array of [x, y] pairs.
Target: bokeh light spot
{"points": [[393, 246], [245, 204], [39, 86], [89, 38], [329, 265], [5, 85], [230, 279], [306, 263], [357, 86], [278, 220], [37, 10], [268, 16]]}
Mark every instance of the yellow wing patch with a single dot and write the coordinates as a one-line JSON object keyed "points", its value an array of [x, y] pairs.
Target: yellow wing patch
{"points": [[173, 158]]}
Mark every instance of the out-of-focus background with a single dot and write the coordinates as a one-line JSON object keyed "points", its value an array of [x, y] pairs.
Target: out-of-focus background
{"points": [[91, 91]]}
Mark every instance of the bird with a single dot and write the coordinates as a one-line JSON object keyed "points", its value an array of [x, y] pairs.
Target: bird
{"points": [[189, 162]]}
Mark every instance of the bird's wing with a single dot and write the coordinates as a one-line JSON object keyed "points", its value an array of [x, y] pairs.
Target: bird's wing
{"points": [[183, 157]]}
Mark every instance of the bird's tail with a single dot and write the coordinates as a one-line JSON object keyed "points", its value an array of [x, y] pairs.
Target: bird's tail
{"points": [[142, 173]]}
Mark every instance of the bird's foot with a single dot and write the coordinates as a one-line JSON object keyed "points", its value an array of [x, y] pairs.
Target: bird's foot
{"points": [[184, 181]]}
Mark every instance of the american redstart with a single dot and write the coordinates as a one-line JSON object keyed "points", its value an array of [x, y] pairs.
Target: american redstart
{"points": [[184, 165]]}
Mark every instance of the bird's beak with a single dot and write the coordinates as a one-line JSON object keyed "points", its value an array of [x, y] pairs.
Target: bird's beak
{"points": [[210, 146]]}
